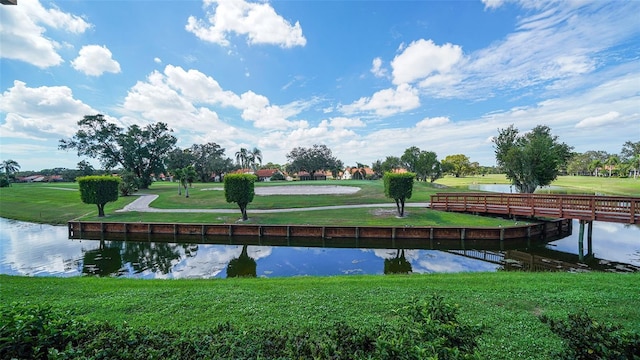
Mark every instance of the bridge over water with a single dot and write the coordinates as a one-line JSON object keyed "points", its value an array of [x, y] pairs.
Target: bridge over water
{"points": [[619, 209]]}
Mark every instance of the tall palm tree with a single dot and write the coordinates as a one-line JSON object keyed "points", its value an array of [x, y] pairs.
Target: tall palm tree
{"points": [[611, 162], [595, 165], [255, 158], [188, 175], [241, 157], [9, 167]]}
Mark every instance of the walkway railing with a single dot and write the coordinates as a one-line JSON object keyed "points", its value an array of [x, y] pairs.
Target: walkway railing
{"points": [[620, 209]]}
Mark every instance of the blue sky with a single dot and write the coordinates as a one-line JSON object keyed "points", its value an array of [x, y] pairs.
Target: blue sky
{"points": [[367, 78]]}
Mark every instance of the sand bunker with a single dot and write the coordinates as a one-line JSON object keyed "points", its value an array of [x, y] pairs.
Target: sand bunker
{"points": [[305, 190], [300, 190]]}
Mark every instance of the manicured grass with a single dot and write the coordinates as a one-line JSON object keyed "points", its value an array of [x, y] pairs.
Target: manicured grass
{"points": [[346, 217], [202, 196], [578, 184], [508, 304], [48, 203]]}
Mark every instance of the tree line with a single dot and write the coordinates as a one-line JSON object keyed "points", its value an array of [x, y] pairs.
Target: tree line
{"points": [[139, 153]]}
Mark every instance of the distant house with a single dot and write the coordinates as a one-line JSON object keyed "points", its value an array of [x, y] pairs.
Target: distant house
{"points": [[32, 178], [318, 175], [266, 174], [357, 173]]}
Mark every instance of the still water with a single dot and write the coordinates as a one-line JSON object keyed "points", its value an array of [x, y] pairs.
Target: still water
{"points": [[45, 250]]}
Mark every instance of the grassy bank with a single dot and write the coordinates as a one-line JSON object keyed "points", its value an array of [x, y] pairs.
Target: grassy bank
{"points": [[59, 203], [508, 304]]}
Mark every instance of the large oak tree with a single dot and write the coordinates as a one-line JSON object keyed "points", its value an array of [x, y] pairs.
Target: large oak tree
{"points": [[315, 158], [532, 159], [141, 150]]}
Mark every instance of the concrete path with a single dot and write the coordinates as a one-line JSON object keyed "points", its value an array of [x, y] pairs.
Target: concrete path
{"points": [[142, 205]]}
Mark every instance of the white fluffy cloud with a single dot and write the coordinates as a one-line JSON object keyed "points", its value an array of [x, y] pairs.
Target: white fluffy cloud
{"points": [[423, 58], [94, 60], [23, 31], [40, 113], [258, 21], [191, 100], [377, 69], [386, 102], [432, 122], [600, 120]]}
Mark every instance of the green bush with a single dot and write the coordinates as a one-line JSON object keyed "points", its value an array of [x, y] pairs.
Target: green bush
{"points": [[33, 331], [424, 329], [239, 188], [98, 190], [4, 182], [586, 338], [399, 186]]}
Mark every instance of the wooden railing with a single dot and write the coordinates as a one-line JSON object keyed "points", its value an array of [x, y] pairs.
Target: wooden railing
{"points": [[621, 209]]}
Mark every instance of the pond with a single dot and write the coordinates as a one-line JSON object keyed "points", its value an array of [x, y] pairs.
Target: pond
{"points": [[44, 250]]}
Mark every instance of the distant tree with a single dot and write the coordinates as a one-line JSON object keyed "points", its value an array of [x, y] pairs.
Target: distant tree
{"points": [[630, 150], [139, 150], [179, 159], [399, 187], [315, 158], [389, 164], [10, 167], [595, 165], [255, 158], [188, 175], [337, 168], [277, 176], [242, 157], [239, 188], [530, 160], [85, 168], [458, 165], [611, 163], [424, 164], [128, 184], [209, 159], [98, 190], [630, 155]]}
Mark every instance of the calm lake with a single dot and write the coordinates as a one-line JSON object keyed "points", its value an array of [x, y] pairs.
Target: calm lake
{"points": [[44, 250]]}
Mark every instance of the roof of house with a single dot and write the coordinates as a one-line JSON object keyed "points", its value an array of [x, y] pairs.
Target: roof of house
{"points": [[266, 172]]}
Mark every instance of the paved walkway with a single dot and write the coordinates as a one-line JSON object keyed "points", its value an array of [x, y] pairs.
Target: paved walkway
{"points": [[142, 205]]}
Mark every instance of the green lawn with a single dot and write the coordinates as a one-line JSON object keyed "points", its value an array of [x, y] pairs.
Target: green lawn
{"points": [[51, 203], [577, 184], [48, 203], [508, 304]]}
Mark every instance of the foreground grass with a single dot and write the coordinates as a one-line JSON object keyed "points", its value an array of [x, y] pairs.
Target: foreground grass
{"points": [[508, 304]]}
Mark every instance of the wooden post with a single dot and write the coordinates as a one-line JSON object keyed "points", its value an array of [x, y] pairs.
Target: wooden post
{"points": [[581, 241]]}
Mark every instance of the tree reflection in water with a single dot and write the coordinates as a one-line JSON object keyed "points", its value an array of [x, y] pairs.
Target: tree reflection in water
{"points": [[397, 265], [103, 261], [242, 266], [154, 257]]}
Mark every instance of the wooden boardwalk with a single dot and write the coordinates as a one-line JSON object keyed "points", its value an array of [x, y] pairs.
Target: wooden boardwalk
{"points": [[619, 209]]}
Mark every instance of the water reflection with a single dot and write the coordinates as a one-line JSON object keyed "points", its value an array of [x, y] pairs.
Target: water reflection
{"points": [[36, 250], [242, 266], [397, 264], [103, 261]]}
